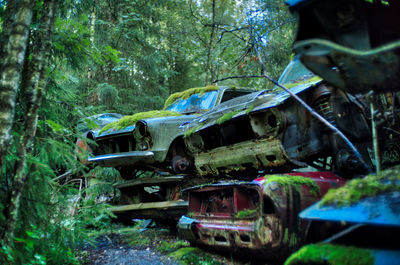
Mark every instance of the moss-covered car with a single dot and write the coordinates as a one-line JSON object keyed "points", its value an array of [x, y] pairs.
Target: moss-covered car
{"points": [[269, 130], [153, 140]]}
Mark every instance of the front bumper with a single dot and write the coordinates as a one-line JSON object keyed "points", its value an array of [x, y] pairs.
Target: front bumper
{"points": [[124, 159], [257, 153], [227, 235]]}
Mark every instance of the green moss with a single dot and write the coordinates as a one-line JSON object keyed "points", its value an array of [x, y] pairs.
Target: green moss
{"points": [[168, 247], [370, 186], [245, 213], [295, 181], [385, 3], [132, 119], [191, 256], [331, 255], [187, 93], [190, 214], [192, 130], [180, 253], [310, 80], [227, 116], [250, 109]]}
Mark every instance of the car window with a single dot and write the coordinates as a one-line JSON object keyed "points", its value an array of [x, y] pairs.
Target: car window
{"points": [[230, 94], [195, 103], [295, 72]]}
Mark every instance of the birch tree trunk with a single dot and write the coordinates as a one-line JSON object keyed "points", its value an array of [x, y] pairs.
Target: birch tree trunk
{"points": [[209, 72], [36, 82], [13, 50]]}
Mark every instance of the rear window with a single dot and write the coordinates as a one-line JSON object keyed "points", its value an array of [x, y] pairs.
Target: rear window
{"points": [[225, 201]]}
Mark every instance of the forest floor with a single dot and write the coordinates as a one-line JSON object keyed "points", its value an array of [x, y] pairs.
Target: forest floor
{"points": [[150, 246]]}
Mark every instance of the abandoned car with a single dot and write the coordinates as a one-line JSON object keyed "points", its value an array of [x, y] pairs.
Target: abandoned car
{"points": [[153, 140], [260, 216], [352, 44], [373, 223], [270, 130]]}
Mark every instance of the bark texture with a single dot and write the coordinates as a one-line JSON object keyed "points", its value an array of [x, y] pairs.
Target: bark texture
{"points": [[35, 85], [13, 50]]}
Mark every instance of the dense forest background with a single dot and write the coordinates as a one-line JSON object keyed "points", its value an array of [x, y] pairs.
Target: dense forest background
{"points": [[65, 60]]}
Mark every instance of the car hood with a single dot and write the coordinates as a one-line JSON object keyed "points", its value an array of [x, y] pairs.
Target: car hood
{"points": [[376, 210], [97, 134], [248, 103]]}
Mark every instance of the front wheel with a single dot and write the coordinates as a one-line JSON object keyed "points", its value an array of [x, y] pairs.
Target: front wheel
{"points": [[181, 164]]}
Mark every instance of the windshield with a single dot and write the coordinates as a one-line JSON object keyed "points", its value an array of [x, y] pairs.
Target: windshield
{"points": [[294, 73], [196, 103]]}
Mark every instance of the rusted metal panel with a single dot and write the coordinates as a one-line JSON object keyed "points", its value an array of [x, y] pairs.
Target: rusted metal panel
{"points": [[150, 205], [149, 182], [165, 210]]}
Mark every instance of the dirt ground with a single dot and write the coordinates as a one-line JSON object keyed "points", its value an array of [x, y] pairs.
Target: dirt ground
{"points": [[113, 250], [152, 246]]}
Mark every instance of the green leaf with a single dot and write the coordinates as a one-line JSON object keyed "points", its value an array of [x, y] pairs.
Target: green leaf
{"points": [[54, 125]]}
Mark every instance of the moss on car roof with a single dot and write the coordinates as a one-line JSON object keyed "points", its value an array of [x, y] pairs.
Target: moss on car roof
{"points": [[331, 254], [357, 189], [187, 93], [132, 119]]}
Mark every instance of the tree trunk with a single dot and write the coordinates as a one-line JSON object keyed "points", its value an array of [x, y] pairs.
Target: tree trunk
{"points": [[13, 51], [210, 47], [35, 86]]}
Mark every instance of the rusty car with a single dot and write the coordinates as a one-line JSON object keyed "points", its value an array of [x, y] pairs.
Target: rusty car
{"points": [[259, 216], [153, 140], [270, 130]]}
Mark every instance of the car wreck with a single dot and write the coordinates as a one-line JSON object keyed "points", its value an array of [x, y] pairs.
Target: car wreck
{"points": [[259, 216], [352, 44], [153, 140], [269, 130], [370, 209]]}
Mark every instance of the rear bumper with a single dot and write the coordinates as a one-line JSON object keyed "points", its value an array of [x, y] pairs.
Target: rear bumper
{"points": [[124, 159]]}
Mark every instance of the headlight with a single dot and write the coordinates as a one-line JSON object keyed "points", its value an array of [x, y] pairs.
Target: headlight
{"points": [[141, 128], [142, 146]]}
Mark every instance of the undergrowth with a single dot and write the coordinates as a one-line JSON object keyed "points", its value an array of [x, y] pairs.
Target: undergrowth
{"points": [[331, 255]]}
